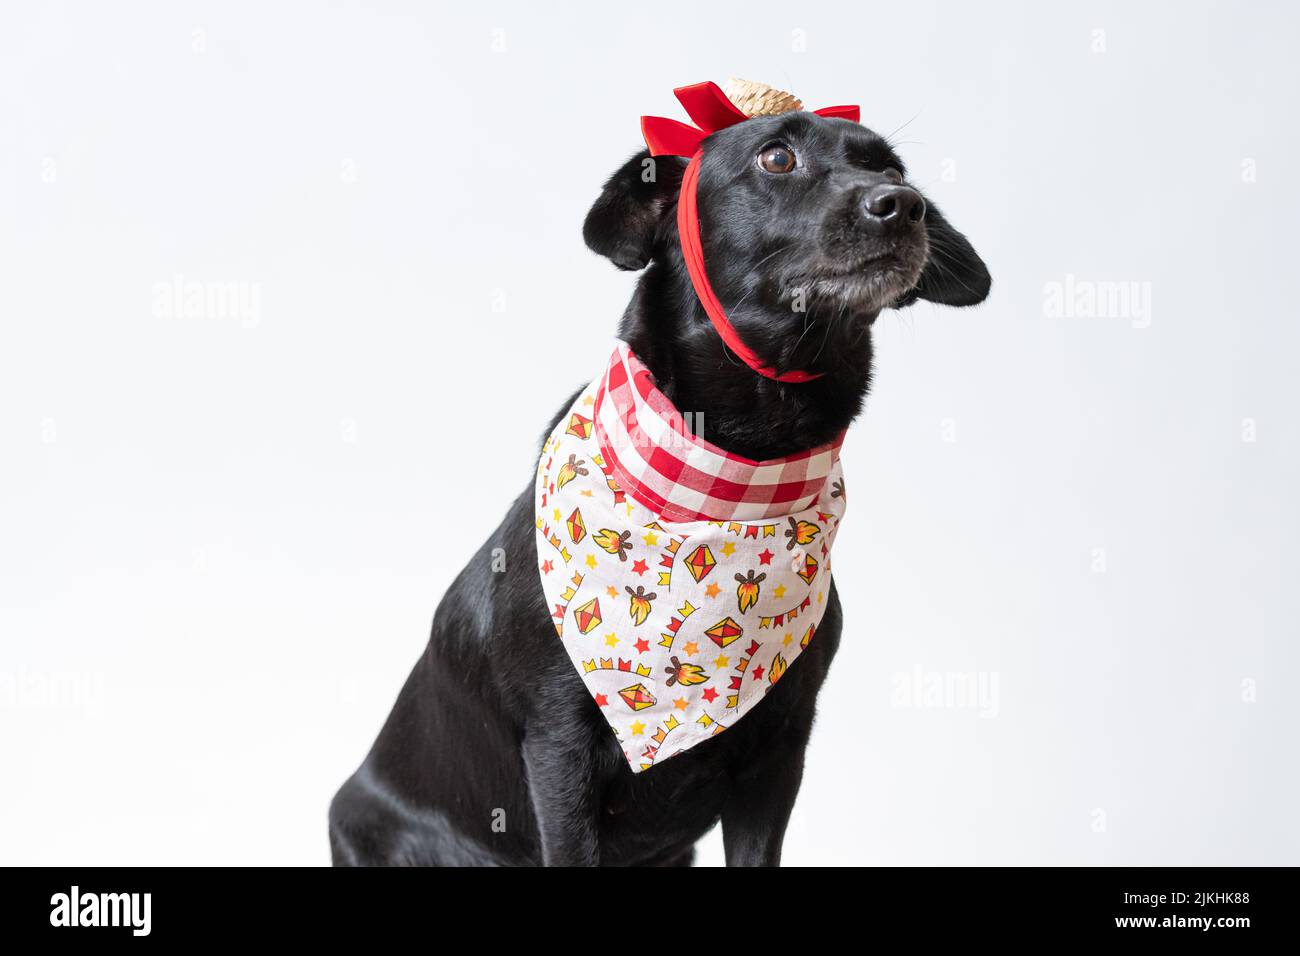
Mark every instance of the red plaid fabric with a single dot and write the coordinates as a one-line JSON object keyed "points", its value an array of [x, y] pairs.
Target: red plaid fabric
{"points": [[656, 458]]}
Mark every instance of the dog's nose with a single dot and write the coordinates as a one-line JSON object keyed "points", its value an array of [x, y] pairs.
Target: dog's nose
{"points": [[897, 206]]}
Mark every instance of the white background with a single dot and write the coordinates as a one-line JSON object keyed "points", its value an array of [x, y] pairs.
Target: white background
{"points": [[222, 537]]}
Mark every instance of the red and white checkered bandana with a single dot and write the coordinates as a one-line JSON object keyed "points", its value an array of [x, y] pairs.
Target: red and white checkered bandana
{"points": [[682, 580], [658, 460]]}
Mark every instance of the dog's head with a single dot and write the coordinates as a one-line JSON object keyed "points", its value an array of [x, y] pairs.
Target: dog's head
{"points": [[799, 215]]}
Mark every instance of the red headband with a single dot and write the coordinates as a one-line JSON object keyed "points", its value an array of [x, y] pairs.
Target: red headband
{"points": [[709, 107]]}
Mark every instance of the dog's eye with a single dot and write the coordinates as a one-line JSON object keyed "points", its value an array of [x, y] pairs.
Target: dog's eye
{"points": [[777, 158], [893, 175]]}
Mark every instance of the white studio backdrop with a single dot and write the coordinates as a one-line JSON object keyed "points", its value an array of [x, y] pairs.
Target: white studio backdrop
{"points": [[1068, 565]]}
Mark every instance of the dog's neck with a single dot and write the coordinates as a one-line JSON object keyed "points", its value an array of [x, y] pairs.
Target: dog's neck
{"points": [[728, 403]]}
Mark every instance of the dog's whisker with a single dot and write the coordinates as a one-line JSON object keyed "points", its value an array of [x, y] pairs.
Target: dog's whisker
{"points": [[890, 138]]}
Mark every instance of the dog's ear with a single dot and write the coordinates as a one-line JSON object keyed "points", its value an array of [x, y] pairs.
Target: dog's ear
{"points": [[622, 224], [954, 274]]}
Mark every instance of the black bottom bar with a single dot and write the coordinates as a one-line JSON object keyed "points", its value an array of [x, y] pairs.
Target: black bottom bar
{"points": [[1168, 905]]}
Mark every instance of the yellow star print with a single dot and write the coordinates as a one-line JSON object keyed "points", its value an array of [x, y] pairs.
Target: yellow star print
{"points": [[778, 591], [591, 563], [638, 728], [611, 639], [787, 639], [728, 549], [721, 661], [651, 539]]}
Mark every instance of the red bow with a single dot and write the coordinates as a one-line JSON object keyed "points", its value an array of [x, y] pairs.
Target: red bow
{"points": [[712, 111], [709, 107]]}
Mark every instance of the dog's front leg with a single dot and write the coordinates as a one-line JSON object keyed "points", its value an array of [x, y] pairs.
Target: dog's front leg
{"points": [[561, 786], [758, 807]]}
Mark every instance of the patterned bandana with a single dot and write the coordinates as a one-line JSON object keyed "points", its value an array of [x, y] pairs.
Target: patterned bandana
{"points": [[683, 580]]}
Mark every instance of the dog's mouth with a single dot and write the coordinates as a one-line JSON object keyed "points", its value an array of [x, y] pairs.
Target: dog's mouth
{"points": [[865, 283]]}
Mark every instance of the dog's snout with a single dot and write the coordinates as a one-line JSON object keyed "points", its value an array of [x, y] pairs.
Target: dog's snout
{"points": [[894, 205]]}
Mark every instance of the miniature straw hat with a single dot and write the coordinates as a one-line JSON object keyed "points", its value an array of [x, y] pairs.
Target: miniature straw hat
{"points": [[759, 99]]}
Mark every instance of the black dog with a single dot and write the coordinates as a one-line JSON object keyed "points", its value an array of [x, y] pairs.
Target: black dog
{"points": [[472, 767]]}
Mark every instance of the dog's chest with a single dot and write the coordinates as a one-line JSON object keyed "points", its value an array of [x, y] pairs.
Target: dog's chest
{"points": [[679, 623], [649, 818]]}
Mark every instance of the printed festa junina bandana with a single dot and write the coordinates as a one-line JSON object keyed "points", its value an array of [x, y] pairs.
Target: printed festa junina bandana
{"points": [[683, 581]]}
